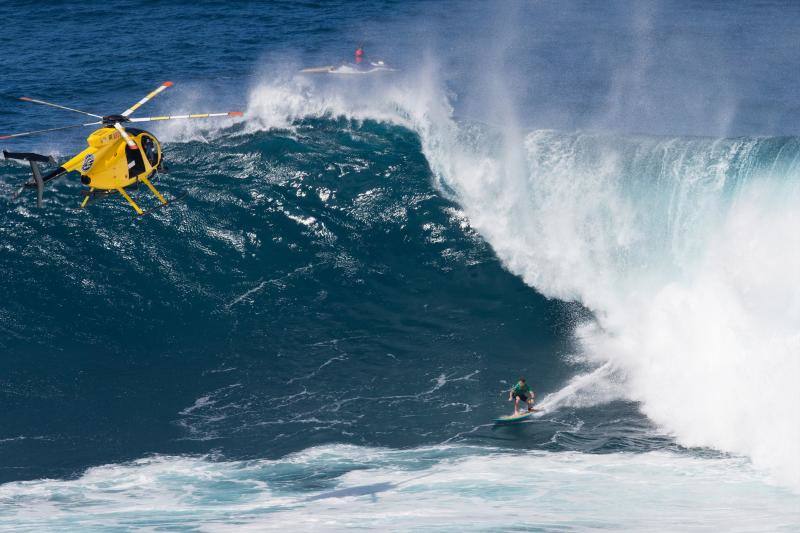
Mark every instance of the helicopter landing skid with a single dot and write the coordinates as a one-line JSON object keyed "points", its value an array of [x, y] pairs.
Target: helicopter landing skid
{"points": [[161, 206], [94, 194]]}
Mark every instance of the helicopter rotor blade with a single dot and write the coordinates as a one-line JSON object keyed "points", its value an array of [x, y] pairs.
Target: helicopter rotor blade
{"points": [[131, 144], [200, 115], [48, 129], [42, 102], [147, 98]]}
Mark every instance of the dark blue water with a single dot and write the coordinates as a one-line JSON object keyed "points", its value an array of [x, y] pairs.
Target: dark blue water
{"points": [[320, 283]]}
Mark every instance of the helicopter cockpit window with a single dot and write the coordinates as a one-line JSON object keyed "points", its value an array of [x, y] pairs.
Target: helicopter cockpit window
{"points": [[150, 150]]}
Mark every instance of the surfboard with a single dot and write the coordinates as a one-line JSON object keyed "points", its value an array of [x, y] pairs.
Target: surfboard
{"points": [[513, 419], [351, 69], [318, 70]]}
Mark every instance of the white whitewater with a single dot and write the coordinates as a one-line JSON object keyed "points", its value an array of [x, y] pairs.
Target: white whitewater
{"points": [[335, 488]]}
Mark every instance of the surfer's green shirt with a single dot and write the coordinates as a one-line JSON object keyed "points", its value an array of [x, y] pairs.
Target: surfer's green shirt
{"points": [[521, 388]]}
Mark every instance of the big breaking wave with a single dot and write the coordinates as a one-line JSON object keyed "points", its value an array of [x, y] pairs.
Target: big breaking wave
{"points": [[685, 249]]}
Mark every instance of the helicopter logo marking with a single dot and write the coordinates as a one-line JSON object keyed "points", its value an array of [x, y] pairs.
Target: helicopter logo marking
{"points": [[87, 162]]}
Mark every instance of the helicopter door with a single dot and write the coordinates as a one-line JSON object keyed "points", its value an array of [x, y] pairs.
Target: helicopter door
{"points": [[135, 162]]}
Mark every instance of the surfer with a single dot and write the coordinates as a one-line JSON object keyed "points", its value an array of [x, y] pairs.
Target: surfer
{"points": [[521, 391]]}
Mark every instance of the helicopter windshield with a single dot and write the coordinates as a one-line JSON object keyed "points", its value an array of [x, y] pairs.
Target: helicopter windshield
{"points": [[150, 149]]}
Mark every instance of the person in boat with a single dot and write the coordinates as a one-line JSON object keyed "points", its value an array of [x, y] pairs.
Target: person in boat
{"points": [[521, 391]]}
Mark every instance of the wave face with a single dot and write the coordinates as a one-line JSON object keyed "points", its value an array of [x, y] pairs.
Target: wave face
{"points": [[311, 284]]}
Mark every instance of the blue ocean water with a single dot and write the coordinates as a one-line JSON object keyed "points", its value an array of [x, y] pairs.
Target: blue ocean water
{"points": [[602, 198]]}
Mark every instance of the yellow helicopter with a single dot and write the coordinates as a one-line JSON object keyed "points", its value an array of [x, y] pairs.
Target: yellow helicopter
{"points": [[116, 157]]}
